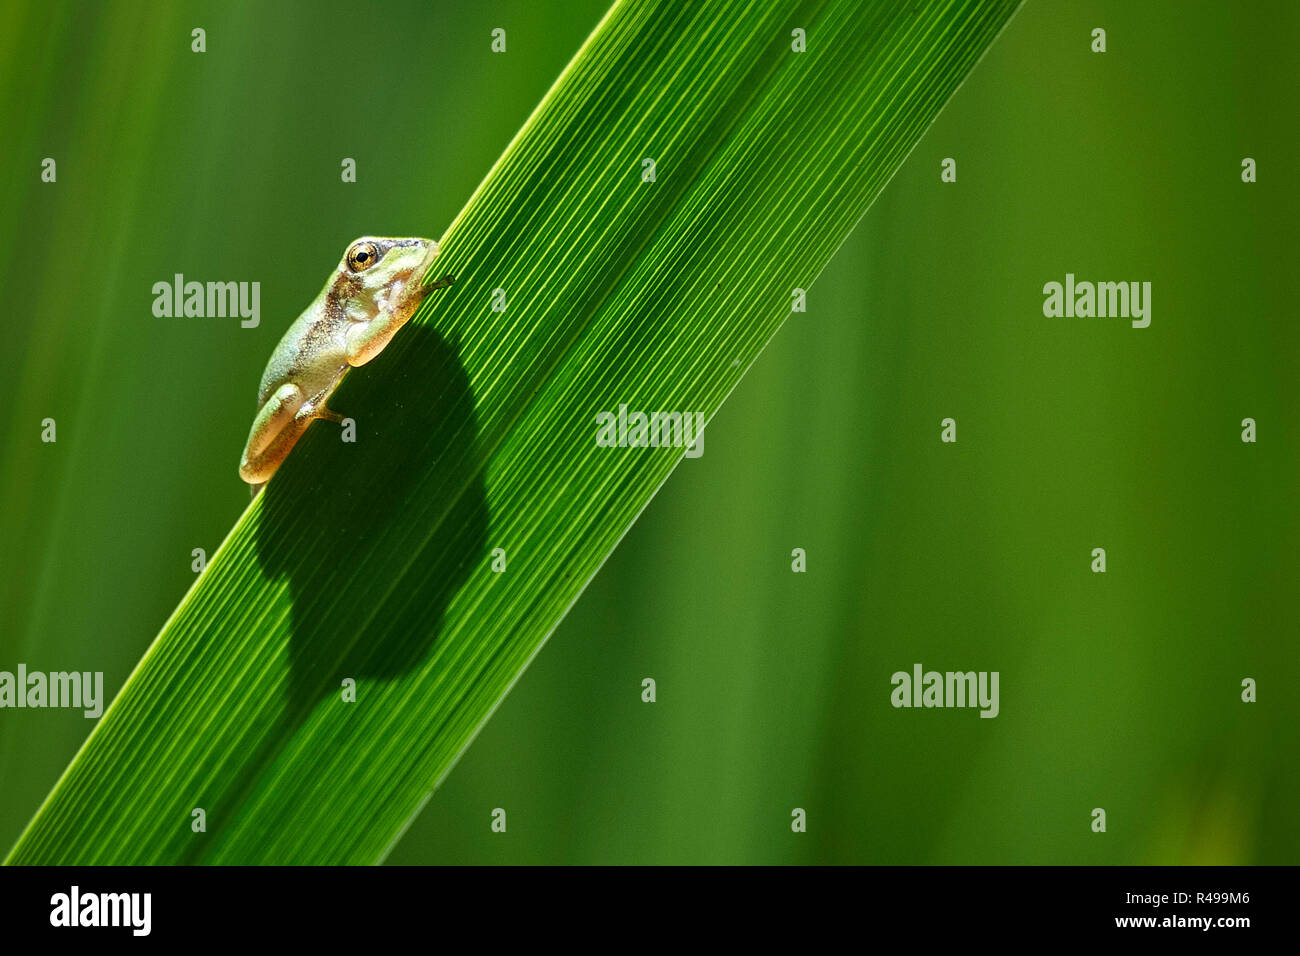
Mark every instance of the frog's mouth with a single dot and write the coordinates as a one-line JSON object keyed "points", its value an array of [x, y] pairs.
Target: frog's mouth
{"points": [[414, 264], [421, 270], [408, 285]]}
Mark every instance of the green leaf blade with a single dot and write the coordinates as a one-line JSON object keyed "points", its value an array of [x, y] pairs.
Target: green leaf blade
{"points": [[477, 428]]}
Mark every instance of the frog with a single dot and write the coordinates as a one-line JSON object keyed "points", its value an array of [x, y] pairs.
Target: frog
{"points": [[374, 290]]}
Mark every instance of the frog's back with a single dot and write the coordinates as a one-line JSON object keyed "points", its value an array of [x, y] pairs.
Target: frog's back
{"points": [[311, 354]]}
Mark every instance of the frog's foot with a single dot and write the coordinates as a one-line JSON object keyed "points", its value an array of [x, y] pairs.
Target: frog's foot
{"points": [[315, 408], [444, 283]]}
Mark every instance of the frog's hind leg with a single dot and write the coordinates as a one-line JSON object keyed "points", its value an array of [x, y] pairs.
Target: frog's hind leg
{"points": [[276, 429], [315, 406], [329, 415]]}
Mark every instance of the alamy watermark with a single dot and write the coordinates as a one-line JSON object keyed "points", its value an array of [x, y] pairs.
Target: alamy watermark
{"points": [[75, 908], [1123, 300], [75, 689], [211, 300], [655, 430], [950, 689]]}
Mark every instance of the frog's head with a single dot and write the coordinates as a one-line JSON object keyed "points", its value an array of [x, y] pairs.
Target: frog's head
{"points": [[386, 275]]}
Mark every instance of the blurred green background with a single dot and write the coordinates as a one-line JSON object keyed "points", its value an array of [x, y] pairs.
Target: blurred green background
{"points": [[1119, 691]]}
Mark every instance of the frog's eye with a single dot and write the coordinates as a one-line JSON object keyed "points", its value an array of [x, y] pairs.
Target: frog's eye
{"points": [[362, 256]]}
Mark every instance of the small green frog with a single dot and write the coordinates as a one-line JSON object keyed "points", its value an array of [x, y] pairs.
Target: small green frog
{"points": [[377, 286]]}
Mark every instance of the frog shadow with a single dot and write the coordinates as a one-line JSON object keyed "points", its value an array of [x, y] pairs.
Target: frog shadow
{"points": [[415, 445]]}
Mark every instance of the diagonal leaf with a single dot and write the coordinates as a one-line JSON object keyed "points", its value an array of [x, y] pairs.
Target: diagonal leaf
{"points": [[477, 428]]}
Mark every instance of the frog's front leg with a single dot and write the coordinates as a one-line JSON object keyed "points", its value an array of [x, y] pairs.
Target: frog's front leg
{"points": [[365, 340]]}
